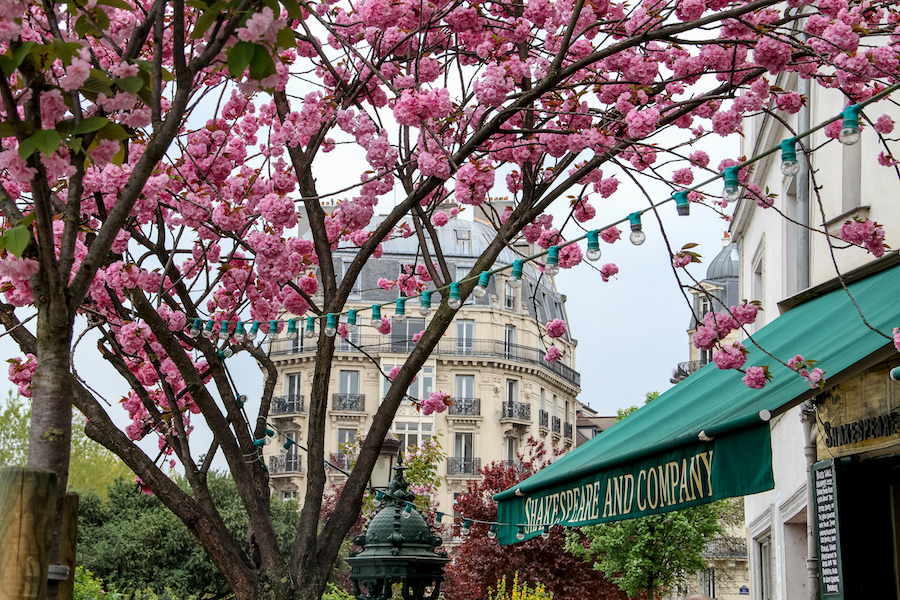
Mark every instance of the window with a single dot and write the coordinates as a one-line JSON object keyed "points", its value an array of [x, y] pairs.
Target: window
{"points": [[465, 337], [509, 341], [568, 409], [292, 453], [289, 496], [346, 439], [512, 449], [509, 298], [292, 387], [355, 292], [418, 389], [349, 382], [708, 582], [412, 433], [465, 386], [705, 357], [344, 343], [463, 447], [402, 334], [705, 305], [555, 407], [543, 399], [764, 555]]}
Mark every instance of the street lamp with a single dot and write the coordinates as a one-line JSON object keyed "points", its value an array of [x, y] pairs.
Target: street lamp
{"points": [[397, 550]]}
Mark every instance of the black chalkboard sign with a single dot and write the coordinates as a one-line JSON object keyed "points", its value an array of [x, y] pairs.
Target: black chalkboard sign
{"points": [[824, 482]]}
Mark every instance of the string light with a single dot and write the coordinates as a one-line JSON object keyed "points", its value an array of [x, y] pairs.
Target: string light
{"points": [[407, 510], [225, 352], [239, 333], [850, 128], [292, 329], [262, 442], [254, 331], [790, 166], [492, 532], [310, 327], [481, 287], [400, 311], [288, 442], [552, 266], [223, 332], [731, 192], [546, 533], [330, 325], [273, 328], [520, 533], [637, 237], [425, 304], [454, 301], [682, 203], [208, 331], [195, 328], [466, 527], [593, 246], [515, 278], [376, 315], [351, 321]]}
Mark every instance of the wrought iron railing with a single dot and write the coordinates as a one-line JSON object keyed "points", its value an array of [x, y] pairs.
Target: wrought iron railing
{"points": [[341, 460], [557, 424], [375, 344], [691, 366], [517, 410], [514, 464], [348, 402], [509, 301], [463, 466], [465, 406], [289, 463], [567, 429], [286, 405], [543, 418]]}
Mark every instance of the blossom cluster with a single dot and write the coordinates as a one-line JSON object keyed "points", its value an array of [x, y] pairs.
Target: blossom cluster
{"points": [[867, 234]]}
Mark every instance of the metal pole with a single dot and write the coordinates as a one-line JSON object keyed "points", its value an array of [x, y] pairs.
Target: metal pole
{"points": [[808, 416]]}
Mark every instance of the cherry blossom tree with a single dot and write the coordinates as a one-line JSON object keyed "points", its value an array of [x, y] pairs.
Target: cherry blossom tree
{"points": [[155, 154]]}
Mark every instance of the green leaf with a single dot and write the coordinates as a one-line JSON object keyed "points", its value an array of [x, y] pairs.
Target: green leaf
{"points": [[6, 130], [84, 28], [96, 86], [293, 9], [16, 239], [113, 131], [206, 20], [132, 84], [45, 140], [262, 64], [90, 125], [11, 62], [27, 221], [286, 39], [239, 58]]}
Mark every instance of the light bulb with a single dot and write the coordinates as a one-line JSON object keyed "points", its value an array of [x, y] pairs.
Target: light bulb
{"points": [[789, 164], [552, 266], [593, 247], [520, 534], [454, 301], [273, 328], [515, 278], [637, 237], [481, 287], [546, 533], [223, 332], [226, 352], [239, 333], [790, 167], [466, 528], [376, 316], [850, 130], [310, 327], [400, 312], [330, 327], [351, 321], [292, 329], [208, 330], [492, 532], [682, 204], [254, 331], [732, 191], [406, 511], [424, 310], [195, 328]]}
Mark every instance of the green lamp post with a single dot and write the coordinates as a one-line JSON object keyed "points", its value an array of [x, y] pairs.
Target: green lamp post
{"points": [[398, 547]]}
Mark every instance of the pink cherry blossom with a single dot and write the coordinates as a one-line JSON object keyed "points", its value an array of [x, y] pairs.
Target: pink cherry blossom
{"points": [[884, 125], [608, 270], [755, 378], [435, 402], [385, 327], [897, 338], [730, 357], [681, 260], [440, 218], [386, 284], [556, 328], [610, 235], [552, 354], [745, 314]]}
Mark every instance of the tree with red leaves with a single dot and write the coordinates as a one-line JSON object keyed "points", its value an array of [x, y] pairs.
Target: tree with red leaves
{"points": [[480, 562]]}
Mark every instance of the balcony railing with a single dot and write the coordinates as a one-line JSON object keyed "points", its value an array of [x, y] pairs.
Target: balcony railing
{"points": [[543, 418], [517, 410], [514, 464], [341, 460], [691, 366], [463, 466], [286, 405], [509, 301], [289, 463], [375, 344], [557, 425], [470, 407], [567, 429], [348, 402]]}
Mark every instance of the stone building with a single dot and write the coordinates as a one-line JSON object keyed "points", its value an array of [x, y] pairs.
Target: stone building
{"points": [[490, 362]]}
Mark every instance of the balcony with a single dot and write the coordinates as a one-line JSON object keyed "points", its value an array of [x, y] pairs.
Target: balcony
{"points": [[468, 407], [557, 425], [544, 419], [476, 348], [690, 367], [289, 463], [341, 461], [463, 466], [518, 411], [514, 464], [567, 430], [509, 301], [348, 402], [286, 405]]}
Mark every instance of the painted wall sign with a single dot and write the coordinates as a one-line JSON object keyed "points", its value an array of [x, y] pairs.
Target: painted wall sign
{"points": [[696, 474], [744, 591], [861, 430], [824, 483]]}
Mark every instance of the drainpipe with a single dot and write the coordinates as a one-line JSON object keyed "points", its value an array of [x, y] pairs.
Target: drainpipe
{"points": [[808, 417]]}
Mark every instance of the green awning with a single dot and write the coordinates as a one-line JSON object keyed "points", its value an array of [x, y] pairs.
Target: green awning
{"points": [[654, 461]]}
